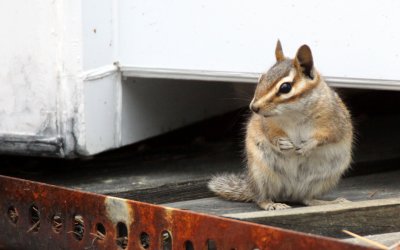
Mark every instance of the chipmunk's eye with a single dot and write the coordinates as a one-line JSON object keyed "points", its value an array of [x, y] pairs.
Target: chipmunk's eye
{"points": [[285, 88]]}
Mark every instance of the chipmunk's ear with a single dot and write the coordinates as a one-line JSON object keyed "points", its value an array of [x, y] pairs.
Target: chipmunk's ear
{"points": [[304, 61], [279, 52]]}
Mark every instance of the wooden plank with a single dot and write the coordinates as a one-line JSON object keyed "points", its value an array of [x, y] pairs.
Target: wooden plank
{"points": [[357, 188], [375, 208], [159, 177], [367, 187], [214, 205], [389, 239], [173, 192], [362, 217]]}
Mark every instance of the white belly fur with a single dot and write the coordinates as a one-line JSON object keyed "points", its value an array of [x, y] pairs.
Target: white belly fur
{"points": [[297, 178]]}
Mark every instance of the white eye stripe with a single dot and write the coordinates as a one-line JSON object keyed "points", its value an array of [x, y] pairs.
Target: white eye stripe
{"points": [[288, 78], [270, 94]]}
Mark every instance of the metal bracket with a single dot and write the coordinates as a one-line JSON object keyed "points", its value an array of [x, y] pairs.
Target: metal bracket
{"points": [[41, 216]]}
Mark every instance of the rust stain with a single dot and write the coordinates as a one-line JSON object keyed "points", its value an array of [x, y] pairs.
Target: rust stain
{"points": [[102, 222]]}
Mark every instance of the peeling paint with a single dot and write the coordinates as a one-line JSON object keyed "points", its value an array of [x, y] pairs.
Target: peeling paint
{"points": [[118, 210], [100, 73]]}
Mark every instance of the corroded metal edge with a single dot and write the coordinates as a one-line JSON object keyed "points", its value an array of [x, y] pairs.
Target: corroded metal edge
{"points": [[106, 222]]}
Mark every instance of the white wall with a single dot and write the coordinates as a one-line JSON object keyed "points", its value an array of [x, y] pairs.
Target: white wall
{"points": [[41, 97], [350, 39], [27, 101], [63, 63]]}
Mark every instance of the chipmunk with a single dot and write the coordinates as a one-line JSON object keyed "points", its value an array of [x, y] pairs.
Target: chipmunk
{"points": [[298, 139]]}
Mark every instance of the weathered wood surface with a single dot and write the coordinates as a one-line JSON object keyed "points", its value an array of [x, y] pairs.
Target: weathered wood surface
{"points": [[361, 217], [375, 209], [356, 188], [152, 177], [389, 239], [174, 192]]}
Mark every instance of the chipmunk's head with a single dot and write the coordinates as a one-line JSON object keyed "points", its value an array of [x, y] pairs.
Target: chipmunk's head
{"points": [[285, 85]]}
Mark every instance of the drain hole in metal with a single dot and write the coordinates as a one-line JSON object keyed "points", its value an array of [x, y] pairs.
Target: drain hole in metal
{"points": [[12, 214], [211, 245], [57, 223], [101, 231], [34, 215], [122, 235], [189, 245], [166, 240], [78, 227], [145, 240]]}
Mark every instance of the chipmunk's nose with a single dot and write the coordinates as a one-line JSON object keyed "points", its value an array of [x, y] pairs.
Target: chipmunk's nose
{"points": [[254, 108]]}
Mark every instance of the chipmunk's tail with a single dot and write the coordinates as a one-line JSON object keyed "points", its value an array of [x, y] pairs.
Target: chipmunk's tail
{"points": [[233, 187]]}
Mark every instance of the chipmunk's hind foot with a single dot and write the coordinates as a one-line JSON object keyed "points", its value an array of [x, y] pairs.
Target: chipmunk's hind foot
{"points": [[270, 205], [316, 202]]}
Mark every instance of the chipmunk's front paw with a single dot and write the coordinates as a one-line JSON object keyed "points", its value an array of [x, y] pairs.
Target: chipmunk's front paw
{"points": [[306, 147], [284, 144]]}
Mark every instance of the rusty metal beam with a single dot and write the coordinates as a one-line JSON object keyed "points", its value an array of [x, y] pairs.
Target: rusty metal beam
{"points": [[40, 216]]}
